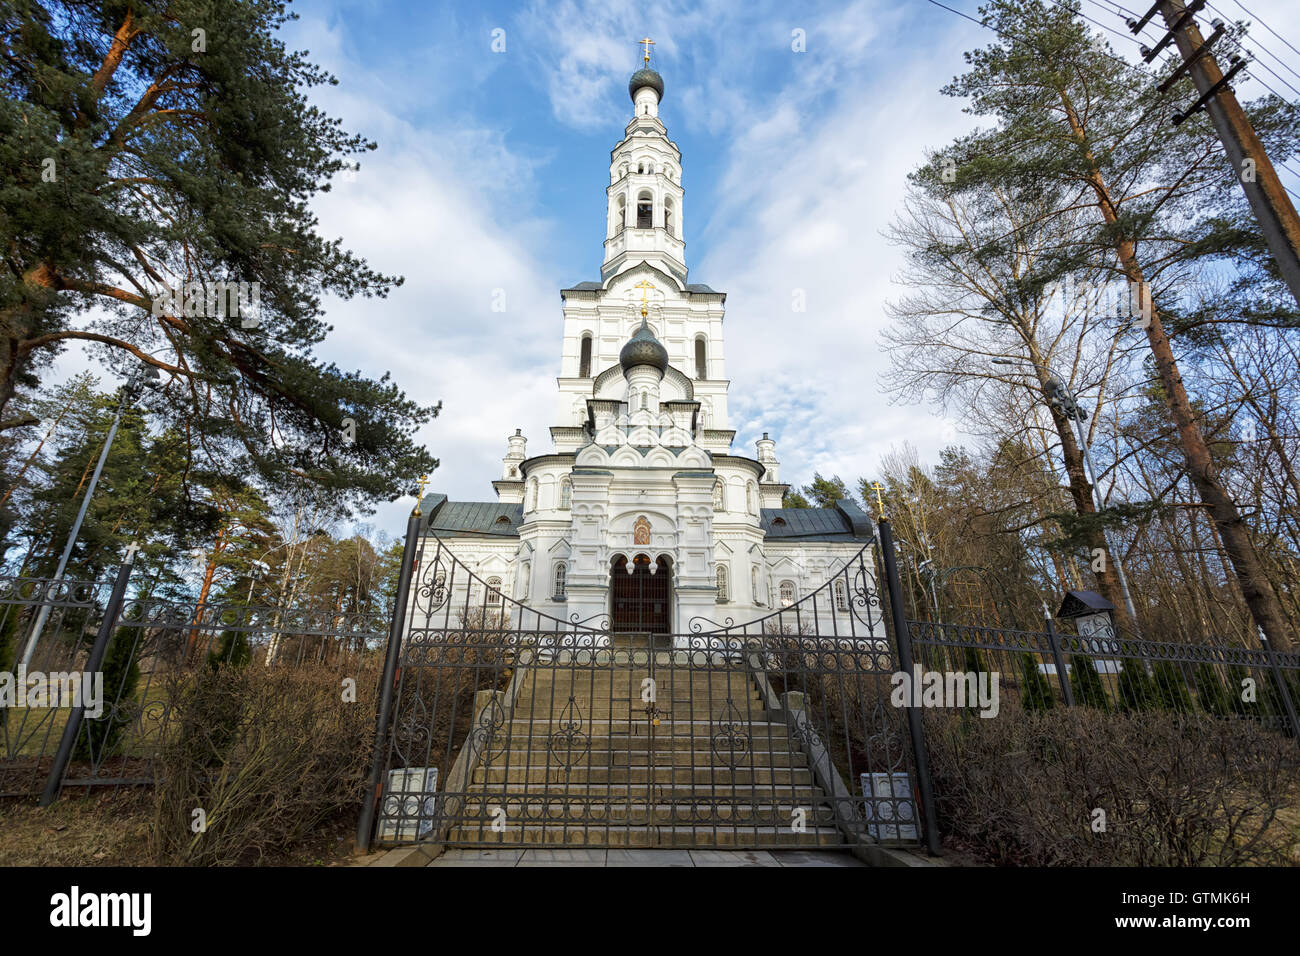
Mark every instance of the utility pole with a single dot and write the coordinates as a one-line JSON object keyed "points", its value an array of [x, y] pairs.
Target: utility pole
{"points": [[146, 378], [1269, 201]]}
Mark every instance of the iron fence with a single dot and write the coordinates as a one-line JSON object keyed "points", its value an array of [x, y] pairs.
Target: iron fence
{"points": [[1114, 672], [502, 725], [96, 699]]}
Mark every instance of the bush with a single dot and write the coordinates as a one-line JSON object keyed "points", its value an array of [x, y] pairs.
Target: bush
{"points": [[1210, 692], [121, 672], [1171, 687], [232, 649], [1035, 690], [297, 758], [1175, 792], [1136, 689], [1086, 683]]}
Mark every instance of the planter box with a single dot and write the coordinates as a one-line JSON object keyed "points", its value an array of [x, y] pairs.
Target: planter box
{"points": [[406, 811], [891, 809]]}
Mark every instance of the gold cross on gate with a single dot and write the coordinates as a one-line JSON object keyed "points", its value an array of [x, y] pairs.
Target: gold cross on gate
{"points": [[880, 504], [419, 495], [647, 43], [643, 285]]}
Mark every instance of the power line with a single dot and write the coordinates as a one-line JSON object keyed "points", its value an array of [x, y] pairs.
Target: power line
{"points": [[1266, 26], [1007, 36], [1260, 44]]}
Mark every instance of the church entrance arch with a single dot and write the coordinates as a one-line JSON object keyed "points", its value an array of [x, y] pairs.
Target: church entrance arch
{"points": [[640, 591]]}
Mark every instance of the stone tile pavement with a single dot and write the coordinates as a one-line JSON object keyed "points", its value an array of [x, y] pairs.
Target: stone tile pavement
{"points": [[578, 856]]}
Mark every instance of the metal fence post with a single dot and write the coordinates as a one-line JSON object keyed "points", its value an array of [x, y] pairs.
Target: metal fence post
{"points": [[914, 728], [1061, 675], [366, 825], [54, 782], [1279, 678]]}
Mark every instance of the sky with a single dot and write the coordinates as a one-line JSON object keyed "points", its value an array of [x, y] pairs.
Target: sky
{"points": [[494, 123]]}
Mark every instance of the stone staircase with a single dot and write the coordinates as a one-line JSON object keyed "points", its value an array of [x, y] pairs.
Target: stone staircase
{"points": [[579, 759]]}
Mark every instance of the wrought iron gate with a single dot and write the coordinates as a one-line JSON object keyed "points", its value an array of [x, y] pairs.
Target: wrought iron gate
{"points": [[505, 726]]}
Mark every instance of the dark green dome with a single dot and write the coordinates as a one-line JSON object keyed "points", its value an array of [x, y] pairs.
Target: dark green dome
{"points": [[645, 77], [643, 349]]}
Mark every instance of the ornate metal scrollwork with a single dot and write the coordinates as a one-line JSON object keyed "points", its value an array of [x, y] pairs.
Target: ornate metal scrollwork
{"points": [[568, 744], [697, 624], [731, 743], [487, 730]]}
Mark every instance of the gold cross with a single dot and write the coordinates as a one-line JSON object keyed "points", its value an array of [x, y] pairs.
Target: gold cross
{"points": [[647, 43], [880, 504], [419, 496], [643, 285]]}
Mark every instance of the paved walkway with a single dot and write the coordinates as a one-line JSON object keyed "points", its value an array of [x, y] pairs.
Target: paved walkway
{"points": [[583, 857]]}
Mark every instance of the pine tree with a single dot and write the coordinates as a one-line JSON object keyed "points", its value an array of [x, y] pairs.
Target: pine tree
{"points": [[153, 144], [1171, 687], [1035, 689], [232, 650], [1214, 698], [1086, 683], [1136, 689], [1072, 122]]}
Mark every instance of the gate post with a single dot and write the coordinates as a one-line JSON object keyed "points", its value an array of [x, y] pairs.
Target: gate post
{"points": [[1279, 678], [919, 755], [1054, 640], [366, 824], [54, 782]]}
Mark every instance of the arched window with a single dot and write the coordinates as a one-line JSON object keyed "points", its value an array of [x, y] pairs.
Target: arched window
{"points": [[622, 215], [566, 494], [719, 496], [493, 592], [668, 216], [530, 501], [787, 593], [561, 579], [584, 358], [645, 399], [753, 585], [841, 595], [752, 495], [644, 211], [525, 573], [701, 365], [724, 595]]}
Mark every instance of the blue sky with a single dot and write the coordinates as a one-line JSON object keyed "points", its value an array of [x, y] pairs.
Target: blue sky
{"points": [[491, 174], [491, 170]]}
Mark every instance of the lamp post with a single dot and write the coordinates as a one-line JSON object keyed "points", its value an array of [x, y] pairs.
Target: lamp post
{"points": [[146, 377], [1060, 397]]}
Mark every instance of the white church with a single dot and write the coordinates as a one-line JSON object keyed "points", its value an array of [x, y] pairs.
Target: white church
{"points": [[643, 515]]}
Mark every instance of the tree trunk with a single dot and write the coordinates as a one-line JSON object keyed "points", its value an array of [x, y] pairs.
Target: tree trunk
{"points": [[1256, 588]]}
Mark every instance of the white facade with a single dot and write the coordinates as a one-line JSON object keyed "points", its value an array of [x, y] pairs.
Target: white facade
{"points": [[642, 464]]}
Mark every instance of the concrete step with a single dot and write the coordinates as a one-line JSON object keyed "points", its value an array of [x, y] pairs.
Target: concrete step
{"points": [[626, 680], [640, 743], [543, 756], [672, 725], [607, 793], [710, 776], [699, 712], [642, 836], [749, 707], [560, 813]]}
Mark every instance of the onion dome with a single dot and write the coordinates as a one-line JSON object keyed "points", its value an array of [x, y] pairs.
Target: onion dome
{"points": [[643, 349], [645, 77]]}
